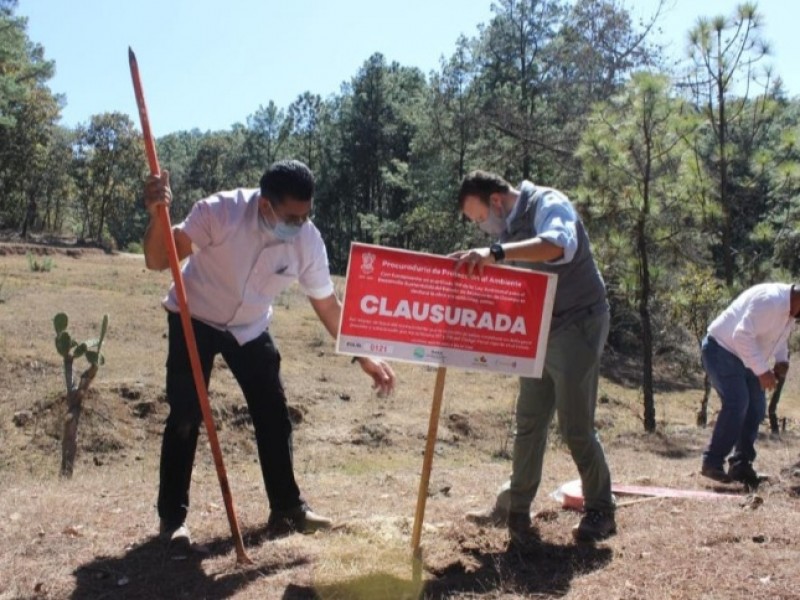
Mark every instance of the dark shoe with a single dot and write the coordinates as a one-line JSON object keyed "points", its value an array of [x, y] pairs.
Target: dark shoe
{"points": [[595, 525], [491, 517], [520, 528], [177, 536], [744, 473], [300, 520], [715, 473]]}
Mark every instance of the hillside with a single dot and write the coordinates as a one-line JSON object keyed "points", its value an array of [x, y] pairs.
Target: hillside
{"points": [[358, 459]]}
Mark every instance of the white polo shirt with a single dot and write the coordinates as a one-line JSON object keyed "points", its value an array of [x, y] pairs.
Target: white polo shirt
{"points": [[756, 326], [238, 267]]}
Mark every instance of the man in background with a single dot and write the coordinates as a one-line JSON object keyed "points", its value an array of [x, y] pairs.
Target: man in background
{"points": [[736, 352]]}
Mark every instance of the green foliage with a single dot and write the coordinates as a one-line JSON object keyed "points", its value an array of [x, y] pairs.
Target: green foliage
{"points": [[725, 53], [63, 343], [45, 266], [60, 322], [108, 170], [28, 115], [697, 298], [70, 349]]}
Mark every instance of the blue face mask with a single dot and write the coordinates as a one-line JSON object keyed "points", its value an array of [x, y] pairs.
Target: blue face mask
{"points": [[285, 232]]}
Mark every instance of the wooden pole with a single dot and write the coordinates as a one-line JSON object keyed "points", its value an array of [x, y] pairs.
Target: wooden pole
{"points": [[186, 319], [774, 427], [427, 463]]}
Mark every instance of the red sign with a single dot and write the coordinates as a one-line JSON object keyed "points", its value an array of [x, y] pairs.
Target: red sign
{"points": [[415, 307]]}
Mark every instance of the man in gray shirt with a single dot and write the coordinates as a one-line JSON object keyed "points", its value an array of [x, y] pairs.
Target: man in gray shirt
{"points": [[538, 228]]}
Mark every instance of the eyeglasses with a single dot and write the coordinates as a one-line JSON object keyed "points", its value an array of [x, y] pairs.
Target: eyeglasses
{"points": [[291, 219]]}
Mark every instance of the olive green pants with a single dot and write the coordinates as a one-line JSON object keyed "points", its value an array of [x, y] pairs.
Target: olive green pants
{"points": [[568, 387]]}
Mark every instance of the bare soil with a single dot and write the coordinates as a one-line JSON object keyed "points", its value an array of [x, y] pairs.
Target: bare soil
{"points": [[358, 460]]}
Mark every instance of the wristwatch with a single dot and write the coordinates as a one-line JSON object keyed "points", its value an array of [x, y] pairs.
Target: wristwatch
{"points": [[497, 252]]}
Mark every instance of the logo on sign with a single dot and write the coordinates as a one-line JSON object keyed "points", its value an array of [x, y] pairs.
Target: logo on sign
{"points": [[367, 263]]}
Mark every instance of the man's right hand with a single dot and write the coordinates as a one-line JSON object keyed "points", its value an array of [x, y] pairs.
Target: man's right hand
{"points": [[157, 192], [156, 253], [767, 380]]}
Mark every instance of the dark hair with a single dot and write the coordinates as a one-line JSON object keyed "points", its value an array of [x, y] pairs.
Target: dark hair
{"points": [[288, 178], [482, 184]]}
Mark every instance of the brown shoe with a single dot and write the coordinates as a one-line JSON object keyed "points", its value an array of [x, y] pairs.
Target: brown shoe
{"points": [[490, 517]]}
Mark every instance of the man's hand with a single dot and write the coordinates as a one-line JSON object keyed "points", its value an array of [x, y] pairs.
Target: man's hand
{"points": [[780, 370], [382, 374], [767, 380], [472, 260], [156, 255], [157, 192]]}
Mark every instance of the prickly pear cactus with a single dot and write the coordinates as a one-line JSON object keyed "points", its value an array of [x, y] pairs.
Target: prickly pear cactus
{"points": [[70, 350]]}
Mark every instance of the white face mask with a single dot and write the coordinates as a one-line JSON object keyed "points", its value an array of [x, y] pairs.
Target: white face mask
{"points": [[493, 224]]}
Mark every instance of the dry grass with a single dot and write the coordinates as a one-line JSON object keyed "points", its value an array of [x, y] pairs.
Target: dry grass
{"points": [[358, 459]]}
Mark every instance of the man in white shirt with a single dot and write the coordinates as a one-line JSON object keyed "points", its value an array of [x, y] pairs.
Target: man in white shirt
{"points": [[244, 247], [741, 342]]}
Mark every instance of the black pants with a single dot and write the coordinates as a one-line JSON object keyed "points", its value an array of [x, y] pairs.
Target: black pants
{"points": [[256, 367]]}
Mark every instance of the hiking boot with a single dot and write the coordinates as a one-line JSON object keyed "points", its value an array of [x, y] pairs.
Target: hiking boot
{"points": [[490, 517], [520, 528], [595, 525], [177, 536], [300, 520], [744, 473], [715, 473]]}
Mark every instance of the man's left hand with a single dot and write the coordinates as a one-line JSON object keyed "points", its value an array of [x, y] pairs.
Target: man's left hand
{"points": [[472, 260], [383, 377]]}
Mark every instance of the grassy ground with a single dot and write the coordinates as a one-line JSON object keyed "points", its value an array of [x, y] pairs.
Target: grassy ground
{"points": [[358, 459]]}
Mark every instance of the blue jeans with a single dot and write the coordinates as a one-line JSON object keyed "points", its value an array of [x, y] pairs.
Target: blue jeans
{"points": [[743, 407]]}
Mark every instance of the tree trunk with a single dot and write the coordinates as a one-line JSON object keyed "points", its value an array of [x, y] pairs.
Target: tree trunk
{"points": [[69, 441], [30, 217], [644, 296], [773, 407], [725, 201], [702, 412]]}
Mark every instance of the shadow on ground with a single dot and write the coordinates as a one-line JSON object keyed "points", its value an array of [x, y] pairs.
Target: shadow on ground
{"points": [[669, 374], [151, 571], [540, 570], [675, 445]]}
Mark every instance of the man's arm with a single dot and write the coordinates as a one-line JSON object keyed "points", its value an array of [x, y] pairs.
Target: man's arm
{"points": [[556, 223], [329, 311], [157, 193], [532, 250]]}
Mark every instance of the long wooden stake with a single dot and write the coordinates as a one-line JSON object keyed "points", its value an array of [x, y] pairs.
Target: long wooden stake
{"points": [[186, 319], [427, 463]]}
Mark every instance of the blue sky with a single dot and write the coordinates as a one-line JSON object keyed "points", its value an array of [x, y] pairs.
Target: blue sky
{"points": [[209, 64]]}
